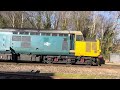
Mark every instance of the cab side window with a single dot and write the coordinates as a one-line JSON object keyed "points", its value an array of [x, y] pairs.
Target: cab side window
{"points": [[79, 37]]}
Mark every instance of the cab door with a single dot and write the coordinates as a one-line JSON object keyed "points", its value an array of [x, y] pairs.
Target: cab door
{"points": [[79, 45], [72, 41]]}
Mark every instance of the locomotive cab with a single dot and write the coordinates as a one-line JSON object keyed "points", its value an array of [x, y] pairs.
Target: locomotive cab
{"points": [[75, 35], [87, 48], [87, 51]]}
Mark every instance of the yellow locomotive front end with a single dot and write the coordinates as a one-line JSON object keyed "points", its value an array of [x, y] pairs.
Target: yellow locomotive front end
{"points": [[87, 51], [87, 48]]}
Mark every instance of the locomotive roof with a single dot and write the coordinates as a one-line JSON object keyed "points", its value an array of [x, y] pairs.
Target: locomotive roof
{"points": [[39, 30]]}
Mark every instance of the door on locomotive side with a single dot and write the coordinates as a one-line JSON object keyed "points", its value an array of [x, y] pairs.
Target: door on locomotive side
{"points": [[79, 45]]}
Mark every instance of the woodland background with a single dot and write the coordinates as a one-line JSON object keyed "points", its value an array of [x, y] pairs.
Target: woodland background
{"points": [[103, 25]]}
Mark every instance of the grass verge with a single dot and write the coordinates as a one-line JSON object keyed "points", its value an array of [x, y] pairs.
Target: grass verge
{"points": [[82, 76]]}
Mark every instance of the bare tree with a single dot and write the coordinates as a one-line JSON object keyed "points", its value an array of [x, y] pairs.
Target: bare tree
{"points": [[39, 23], [56, 20], [47, 19]]}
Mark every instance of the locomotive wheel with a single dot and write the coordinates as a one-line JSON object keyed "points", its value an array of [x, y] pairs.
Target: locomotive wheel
{"points": [[98, 63], [73, 62], [68, 61], [95, 61], [49, 61], [41, 59], [44, 59], [92, 61]]}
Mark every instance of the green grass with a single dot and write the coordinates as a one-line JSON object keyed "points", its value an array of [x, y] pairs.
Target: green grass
{"points": [[82, 76]]}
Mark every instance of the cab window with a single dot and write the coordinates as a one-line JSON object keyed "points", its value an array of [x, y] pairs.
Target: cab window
{"points": [[79, 37]]}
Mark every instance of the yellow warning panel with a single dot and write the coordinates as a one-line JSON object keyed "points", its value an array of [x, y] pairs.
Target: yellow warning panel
{"points": [[87, 48]]}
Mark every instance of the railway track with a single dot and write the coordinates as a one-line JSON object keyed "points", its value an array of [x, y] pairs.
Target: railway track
{"points": [[3, 62], [41, 64]]}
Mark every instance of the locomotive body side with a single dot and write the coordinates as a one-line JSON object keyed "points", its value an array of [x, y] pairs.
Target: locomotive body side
{"points": [[41, 44], [49, 46]]}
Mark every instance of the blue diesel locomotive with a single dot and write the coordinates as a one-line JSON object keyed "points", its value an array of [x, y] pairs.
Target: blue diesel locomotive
{"points": [[47, 46]]}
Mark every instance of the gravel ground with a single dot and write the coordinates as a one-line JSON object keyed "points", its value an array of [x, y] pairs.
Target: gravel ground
{"points": [[91, 70]]}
